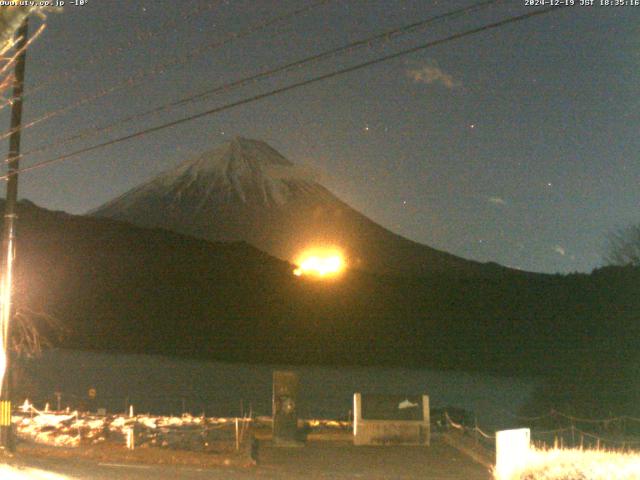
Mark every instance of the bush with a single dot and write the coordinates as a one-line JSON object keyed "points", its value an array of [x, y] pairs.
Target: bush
{"points": [[575, 464]]}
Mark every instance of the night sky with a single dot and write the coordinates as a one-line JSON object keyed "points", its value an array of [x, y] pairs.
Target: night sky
{"points": [[518, 145]]}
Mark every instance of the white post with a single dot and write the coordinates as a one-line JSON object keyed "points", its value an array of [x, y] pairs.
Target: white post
{"points": [[426, 418], [512, 451], [237, 436], [357, 412], [130, 438], [130, 411]]}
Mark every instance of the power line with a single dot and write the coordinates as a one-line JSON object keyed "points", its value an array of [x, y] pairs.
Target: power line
{"points": [[175, 61], [384, 37], [287, 88], [19, 51], [115, 50]]}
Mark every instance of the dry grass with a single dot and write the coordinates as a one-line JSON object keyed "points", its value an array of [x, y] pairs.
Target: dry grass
{"points": [[576, 464]]}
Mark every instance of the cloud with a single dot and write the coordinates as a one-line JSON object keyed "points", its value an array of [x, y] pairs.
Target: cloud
{"points": [[430, 74], [560, 249], [497, 201]]}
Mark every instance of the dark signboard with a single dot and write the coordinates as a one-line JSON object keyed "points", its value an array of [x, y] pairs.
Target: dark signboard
{"points": [[392, 407], [285, 407]]}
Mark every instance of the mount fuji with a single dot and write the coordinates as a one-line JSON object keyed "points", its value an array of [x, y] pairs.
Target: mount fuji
{"points": [[244, 190]]}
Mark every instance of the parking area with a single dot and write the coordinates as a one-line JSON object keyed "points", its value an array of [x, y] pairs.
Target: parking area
{"points": [[316, 460]]}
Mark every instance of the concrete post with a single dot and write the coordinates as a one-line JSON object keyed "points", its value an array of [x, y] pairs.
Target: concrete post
{"points": [[512, 451]]}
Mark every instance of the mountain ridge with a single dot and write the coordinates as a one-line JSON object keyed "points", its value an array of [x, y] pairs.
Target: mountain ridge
{"points": [[118, 287], [245, 190]]}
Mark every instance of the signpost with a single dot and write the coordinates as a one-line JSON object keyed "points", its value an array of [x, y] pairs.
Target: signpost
{"points": [[285, 408], [391, 419]]}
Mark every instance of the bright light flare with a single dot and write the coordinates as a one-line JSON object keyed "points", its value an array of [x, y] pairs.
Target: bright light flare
{"points": [[320, 263], [6, 283], [8, 472], [557, 464]]}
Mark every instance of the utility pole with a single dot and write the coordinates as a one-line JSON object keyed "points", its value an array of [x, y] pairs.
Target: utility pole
{"points": [[7, 441]]}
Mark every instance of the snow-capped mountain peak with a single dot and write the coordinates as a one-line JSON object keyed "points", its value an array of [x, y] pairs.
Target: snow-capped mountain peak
{"points": [[245, 190], [244, 170], [239, 157]]}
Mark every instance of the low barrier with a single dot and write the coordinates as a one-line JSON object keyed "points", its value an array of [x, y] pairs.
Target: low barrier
{"points": [[519, 452], [473, 442], [391, 420], [70, 429]]}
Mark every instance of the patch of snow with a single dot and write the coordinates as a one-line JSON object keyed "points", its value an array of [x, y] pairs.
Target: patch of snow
{"points": [[94, 424], [407, 404], [119, 422], [148, 422], [51, 420], [171, 421]]}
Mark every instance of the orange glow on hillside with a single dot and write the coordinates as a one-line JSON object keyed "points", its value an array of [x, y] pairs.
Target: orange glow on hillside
{"points": [[320, 262]]}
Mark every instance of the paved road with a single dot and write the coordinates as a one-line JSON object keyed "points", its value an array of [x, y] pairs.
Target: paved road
{"points": [[315, 461]]}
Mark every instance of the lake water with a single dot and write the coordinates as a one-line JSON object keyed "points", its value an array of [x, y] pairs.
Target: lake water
{"points": [[167, 386]]}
